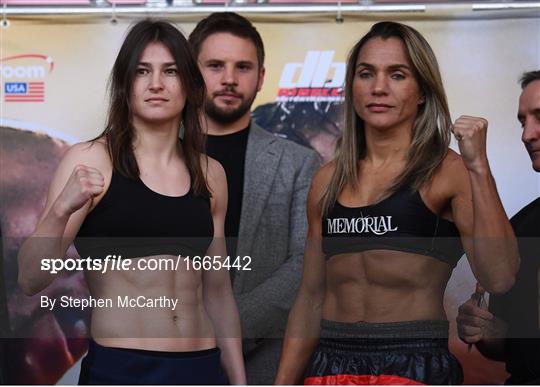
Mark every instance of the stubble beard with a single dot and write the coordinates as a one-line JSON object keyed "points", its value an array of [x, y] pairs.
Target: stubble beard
{"points": [[229, 116]]}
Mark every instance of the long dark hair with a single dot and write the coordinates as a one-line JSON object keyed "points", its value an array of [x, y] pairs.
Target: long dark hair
{"points": [[431, 129], [119, 131]]}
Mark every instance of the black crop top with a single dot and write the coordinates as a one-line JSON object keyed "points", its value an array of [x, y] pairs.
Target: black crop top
{"points": [[131, 220], [400, 222]]}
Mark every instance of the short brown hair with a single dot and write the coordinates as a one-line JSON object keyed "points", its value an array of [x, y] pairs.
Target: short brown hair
{"points": [[226, 22], [529, 77]]}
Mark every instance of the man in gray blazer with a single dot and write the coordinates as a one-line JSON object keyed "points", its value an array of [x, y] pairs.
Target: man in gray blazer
{"points": [[268, 181]]}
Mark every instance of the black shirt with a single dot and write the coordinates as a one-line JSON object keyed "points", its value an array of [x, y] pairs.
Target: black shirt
{"points": [[230, 151], [519, 307]]}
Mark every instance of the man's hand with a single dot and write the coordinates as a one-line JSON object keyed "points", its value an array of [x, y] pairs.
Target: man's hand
{"points": [[473, 320]]}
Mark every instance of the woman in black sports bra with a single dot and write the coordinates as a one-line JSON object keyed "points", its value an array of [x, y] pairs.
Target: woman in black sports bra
{"points": [[387, 222], [136, 195]]}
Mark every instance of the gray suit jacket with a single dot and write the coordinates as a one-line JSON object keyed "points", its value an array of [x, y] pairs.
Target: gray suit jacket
{"points": [[273, 228]]}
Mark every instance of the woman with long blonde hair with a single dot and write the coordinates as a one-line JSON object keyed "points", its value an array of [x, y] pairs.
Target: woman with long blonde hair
{"points": [[388, 221]]}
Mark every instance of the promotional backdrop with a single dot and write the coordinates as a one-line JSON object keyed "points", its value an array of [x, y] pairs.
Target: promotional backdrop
{"points": [[54, 73]]}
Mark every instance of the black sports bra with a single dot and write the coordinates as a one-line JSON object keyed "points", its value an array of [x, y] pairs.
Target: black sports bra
{"points": [[131, 220], [400, 222]]}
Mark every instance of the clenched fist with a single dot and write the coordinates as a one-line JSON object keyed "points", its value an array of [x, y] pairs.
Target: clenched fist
{"points": [[471, 132], [84, 184]]}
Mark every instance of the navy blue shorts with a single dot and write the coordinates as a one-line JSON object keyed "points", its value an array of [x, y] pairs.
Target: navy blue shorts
{"points": [[413, 353], [107, 365]]}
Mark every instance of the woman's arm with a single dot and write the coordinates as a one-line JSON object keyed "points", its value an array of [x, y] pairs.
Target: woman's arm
{"points": [[303, 327], [70, 196], [487, 235], [218, 296]]}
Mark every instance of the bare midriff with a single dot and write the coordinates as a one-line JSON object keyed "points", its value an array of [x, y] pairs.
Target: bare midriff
{"points": [[160, 326], [384, 286]]}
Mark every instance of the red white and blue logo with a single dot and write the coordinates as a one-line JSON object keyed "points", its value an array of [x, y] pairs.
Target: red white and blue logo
{"points": [[23, 77]]}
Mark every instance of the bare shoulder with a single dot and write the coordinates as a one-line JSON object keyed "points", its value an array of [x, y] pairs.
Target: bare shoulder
{"points": [[214, 171], [91, 154], [324, 174], [453, 165], [320, 181], [452, 174]]}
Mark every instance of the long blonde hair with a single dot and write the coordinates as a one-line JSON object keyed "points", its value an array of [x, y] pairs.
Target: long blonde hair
{"points": [[431, 129]]}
